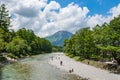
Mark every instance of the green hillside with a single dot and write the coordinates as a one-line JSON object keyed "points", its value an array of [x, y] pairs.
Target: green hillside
{"points": [[58, 38]]}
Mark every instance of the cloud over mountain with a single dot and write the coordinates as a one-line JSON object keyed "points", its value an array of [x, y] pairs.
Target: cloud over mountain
{"points": [[46, 18]]}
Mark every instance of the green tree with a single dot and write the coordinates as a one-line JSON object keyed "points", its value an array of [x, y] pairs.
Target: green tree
{"points": [[46, 45], [100, 42], [18, 47], [27, 35], [2, 45], [4, 17]]}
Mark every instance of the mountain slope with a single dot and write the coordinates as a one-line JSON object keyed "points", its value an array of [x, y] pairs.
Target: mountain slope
{"points": [[58, 38]]}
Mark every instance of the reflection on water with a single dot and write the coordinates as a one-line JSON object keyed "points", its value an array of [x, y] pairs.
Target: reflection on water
{"points": [[34, 68]]}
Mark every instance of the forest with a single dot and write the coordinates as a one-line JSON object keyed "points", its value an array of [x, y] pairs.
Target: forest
{"points": [[20, 43], [102, 43]]}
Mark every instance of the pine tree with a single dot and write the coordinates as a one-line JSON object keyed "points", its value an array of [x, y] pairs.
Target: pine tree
{"points": [[4, 17]]}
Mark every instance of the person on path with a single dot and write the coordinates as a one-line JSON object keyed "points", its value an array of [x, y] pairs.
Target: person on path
{"points": [[61, 63], [72, 70]]}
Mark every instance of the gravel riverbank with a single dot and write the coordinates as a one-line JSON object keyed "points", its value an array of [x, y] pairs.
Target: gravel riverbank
{"points": [[83, 70]]}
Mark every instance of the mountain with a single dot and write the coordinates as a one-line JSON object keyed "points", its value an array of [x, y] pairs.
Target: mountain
{"points": [[58, 38]]}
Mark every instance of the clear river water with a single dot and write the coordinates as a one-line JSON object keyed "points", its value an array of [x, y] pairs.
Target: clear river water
{"points": [[34, 68]]}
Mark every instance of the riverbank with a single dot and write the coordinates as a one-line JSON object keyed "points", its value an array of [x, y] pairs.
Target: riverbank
{"points": [[83, 70], [34, 68]]}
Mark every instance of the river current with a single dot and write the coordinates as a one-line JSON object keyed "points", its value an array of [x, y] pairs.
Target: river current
{"points": [[34, 68]]}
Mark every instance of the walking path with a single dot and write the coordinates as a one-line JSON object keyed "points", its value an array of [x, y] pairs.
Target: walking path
{"points": [[83, 70]]}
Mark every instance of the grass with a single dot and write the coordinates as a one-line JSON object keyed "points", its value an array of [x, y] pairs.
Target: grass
{"points": [[77, 58]]}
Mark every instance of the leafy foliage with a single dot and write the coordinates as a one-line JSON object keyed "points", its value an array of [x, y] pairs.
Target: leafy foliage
{"points": [[102, 42], [21, 43], [18, 47], [57, 49]]}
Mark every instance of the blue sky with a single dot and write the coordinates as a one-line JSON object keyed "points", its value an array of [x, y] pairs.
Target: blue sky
{"points": [[95, 6], [46, 17]]}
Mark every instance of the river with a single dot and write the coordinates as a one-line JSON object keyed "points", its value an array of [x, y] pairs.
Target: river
{"points": [[34, 68]]}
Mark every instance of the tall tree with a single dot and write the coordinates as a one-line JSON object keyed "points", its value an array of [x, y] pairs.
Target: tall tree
{"points": [[4, 17]]}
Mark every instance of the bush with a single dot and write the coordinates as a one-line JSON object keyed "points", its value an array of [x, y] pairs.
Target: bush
{"points": [[77, 58], [70, 55], [95, 57], [12, 56], [2, 58]]}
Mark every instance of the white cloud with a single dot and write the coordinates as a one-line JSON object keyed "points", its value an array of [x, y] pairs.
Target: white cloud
{"points": [[70, 18], [100, 19], [47, 18], [97, 19], [115, 11]]}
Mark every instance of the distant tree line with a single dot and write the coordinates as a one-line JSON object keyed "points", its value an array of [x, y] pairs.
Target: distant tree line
{"points": [[57, 48], [21, 43], [99, 43]]}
